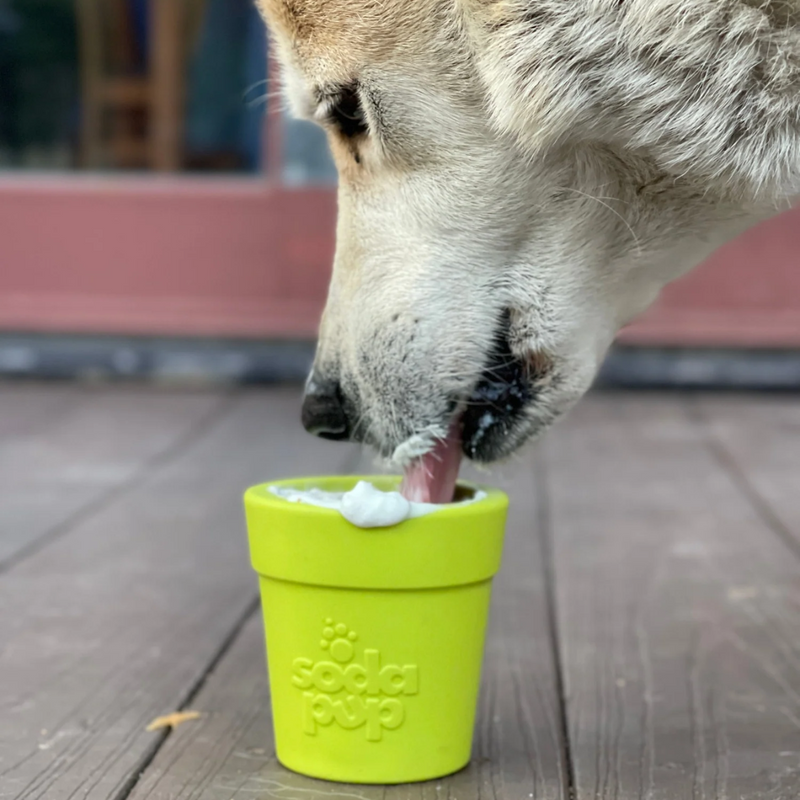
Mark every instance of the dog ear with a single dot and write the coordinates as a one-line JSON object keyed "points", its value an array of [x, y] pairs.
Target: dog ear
{"points": [[708, 89]]}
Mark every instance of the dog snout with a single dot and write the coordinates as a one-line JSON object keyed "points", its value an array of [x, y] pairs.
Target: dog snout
{"points": [[324, 413]]}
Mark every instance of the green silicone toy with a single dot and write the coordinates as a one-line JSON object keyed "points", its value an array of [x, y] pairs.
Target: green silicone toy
{"points": [[374, 637]]}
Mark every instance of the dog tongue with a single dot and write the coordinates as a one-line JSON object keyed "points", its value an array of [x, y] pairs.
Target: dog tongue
{"points": [[432, 478]]}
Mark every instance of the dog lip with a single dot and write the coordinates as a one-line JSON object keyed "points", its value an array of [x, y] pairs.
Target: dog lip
{"points": [[498, 401], [493, 410]]}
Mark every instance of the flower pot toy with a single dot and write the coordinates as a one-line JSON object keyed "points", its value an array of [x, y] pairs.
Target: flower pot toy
{"points": [[374, 636]]}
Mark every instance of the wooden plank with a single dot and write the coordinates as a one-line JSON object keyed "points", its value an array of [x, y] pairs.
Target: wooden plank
{"points": [[118, 621], [228, 754], [678, 613], [757, 439], [27, 406], [64, 450]]}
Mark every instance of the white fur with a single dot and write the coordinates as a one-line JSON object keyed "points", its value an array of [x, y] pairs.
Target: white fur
{"points": [[564, 159]]}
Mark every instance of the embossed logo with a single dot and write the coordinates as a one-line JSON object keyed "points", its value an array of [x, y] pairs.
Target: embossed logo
{"points": [[350, 693]]}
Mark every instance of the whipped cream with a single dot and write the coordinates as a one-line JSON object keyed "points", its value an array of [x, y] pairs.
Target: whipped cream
{"points": [[366, 506]]}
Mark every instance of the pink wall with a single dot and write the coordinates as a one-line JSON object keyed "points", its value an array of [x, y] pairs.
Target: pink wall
{"points": [[179, 256], [163, 256], [747, 294]]}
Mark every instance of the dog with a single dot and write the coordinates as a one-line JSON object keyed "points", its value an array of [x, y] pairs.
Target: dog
{"points": [[518, 179]]}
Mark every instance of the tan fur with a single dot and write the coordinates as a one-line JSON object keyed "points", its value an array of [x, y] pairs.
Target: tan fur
{"points": [[561, 159]]}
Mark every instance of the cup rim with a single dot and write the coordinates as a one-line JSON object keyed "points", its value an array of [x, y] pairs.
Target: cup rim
{"points": [[494, 498], [317, 546]]}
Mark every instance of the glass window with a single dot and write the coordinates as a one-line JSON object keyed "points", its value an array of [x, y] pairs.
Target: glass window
{"points": [[166, 85]]}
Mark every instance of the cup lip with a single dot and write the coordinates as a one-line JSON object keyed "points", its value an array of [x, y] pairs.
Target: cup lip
{"points": [[316, 546], [261, 495]]}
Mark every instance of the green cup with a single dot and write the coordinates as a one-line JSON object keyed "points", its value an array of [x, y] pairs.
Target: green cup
{"points": [[374, 637]]}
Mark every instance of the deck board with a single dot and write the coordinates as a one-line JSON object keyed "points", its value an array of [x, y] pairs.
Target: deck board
{"points": [[228, 755], [66, 449], [678, 611], [757, 439], [29, 407], [654, 538], [118, 620]]}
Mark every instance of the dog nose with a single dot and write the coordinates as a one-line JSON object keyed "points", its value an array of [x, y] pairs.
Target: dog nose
{"points": [[323, 412]]}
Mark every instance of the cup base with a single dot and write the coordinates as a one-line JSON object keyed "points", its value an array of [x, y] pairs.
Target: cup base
{"points": [[366, 777]]}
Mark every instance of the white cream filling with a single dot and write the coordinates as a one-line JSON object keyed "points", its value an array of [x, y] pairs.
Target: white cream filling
{"points": [[366, 506]]}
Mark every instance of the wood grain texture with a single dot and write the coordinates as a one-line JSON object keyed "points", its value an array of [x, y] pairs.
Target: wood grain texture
{"points": [[678, 613], [117, 621], [757, 440], [518, 754], [66, 449], [27, 406], [665, 527]]}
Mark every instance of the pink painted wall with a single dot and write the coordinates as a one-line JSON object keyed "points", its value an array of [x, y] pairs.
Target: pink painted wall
{"points": [[163, 256], [747, 294], [179, 256]]}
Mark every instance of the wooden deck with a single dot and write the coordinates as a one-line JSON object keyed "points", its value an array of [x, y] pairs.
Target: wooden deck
{"points": [[645, 640]]}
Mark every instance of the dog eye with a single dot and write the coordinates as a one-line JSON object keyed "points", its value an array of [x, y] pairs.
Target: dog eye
{"points": [[347, 113]]}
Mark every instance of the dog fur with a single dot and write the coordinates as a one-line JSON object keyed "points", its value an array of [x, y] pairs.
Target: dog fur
{"points": [[558, 161]]}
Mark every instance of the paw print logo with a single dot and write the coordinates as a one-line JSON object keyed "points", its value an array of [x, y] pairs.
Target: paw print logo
{"points": [[338, 641]]}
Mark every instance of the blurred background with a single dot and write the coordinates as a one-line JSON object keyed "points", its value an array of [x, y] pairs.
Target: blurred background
{"points": [[159, 215], [166, 234]]}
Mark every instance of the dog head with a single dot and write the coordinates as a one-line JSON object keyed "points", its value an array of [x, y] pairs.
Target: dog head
{"points": [[503, 207]]}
